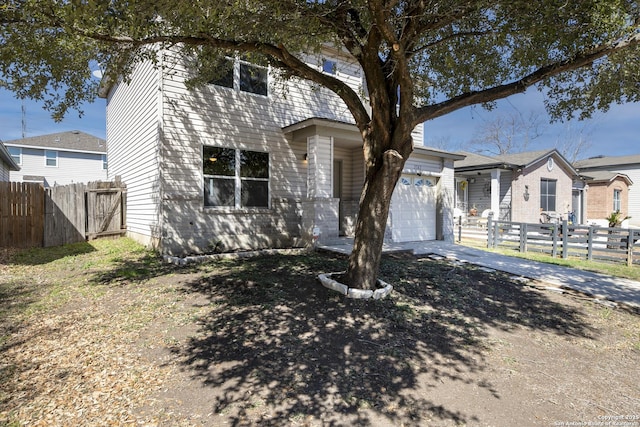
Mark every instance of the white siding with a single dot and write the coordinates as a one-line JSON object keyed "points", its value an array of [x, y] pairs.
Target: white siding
{"points": [[418, 135], [72, 167], [132, 144], [4, 171], [228, 118], [320, 173], [358, 170], [345, 155]]}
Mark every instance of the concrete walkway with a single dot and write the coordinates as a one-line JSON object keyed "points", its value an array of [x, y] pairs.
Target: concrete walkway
{"points": [[599, 285]]}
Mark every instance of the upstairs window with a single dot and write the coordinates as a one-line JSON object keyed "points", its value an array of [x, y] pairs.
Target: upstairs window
{"points": [[16, 155], [226, 79], [51, 158], [253, 79], [548, 195], [329, 66], [617, 200], [244, 76], [235, 178]]}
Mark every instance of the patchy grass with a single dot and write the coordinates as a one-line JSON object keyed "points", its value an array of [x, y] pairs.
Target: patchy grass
{"points": [[104, 333], [611, 269]]}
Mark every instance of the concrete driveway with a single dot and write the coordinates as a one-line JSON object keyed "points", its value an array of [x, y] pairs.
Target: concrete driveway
{"points": [[598, 285]]}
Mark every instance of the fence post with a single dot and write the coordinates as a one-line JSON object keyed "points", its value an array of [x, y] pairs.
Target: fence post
{"points": [[460, 229], [490, 232], [630, 244], [523, 237], [554, 235], [565, 239], [590, 243], [496, 236]]}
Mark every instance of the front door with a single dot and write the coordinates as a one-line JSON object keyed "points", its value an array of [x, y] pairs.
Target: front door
{"points": [[337, 191]]}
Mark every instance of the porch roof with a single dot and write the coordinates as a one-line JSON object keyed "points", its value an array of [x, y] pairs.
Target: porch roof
{"points": [[349, 131]]}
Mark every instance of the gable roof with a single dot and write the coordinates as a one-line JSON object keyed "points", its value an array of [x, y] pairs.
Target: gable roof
{"points": [[605, 176], [607, 161], [5, 156], [65, 141], [476, 161]]}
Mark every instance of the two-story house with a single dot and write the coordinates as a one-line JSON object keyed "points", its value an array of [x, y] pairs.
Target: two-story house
{"points": [[242, 163], [59, 158]]}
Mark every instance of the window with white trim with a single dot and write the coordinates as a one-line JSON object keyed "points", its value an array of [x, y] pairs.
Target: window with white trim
{"points": [[51, 158], [16, 155], [617, 200], [243, 76], [104, 162], [548, 194], [235, 178]]}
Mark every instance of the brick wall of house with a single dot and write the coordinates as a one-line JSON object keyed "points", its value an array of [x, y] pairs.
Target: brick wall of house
{"points": [[600, 202], [529, 210]]}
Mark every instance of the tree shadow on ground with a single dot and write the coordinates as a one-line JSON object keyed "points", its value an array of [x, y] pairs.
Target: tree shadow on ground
{"points": [[277, 347], [38, 256]]}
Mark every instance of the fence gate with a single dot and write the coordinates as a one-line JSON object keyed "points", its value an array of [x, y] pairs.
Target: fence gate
{"points": [[34, 216], [106, 209]]}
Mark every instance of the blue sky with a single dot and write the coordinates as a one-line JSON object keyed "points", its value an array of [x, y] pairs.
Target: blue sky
{"points": [[614, 133], [39, 122]]}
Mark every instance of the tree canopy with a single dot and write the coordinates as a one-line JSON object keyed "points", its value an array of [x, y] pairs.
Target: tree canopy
{"points": [[421, 59], [441, 55]]}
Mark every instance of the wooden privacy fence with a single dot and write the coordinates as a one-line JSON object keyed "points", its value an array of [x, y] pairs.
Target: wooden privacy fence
{"points": [[21, 214], [31, 215], [565, 240]]}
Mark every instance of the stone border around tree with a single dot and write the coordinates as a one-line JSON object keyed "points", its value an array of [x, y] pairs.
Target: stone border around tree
{"points": [[383, 290]]}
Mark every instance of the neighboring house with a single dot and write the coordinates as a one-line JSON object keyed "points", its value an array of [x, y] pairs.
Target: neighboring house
{"points": [[613, 177], [59, 158], [7, 163], [242, 164], [608, 193], [531, 187]]}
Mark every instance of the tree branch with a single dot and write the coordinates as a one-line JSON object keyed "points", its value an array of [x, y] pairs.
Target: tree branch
{"points": [[498, 92], [280, 54]]}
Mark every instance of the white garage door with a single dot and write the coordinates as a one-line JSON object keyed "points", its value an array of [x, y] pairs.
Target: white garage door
{"points": [[413, 209]]}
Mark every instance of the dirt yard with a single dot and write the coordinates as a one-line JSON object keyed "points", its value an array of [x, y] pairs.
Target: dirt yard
{"points": [[105, 334]]}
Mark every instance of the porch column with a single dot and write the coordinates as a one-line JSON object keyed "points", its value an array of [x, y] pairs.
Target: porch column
{"points": [[495, 193], [320, 209]]}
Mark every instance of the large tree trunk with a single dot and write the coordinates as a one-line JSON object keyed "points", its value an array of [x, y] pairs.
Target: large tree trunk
{"points": [[364, 261]]}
